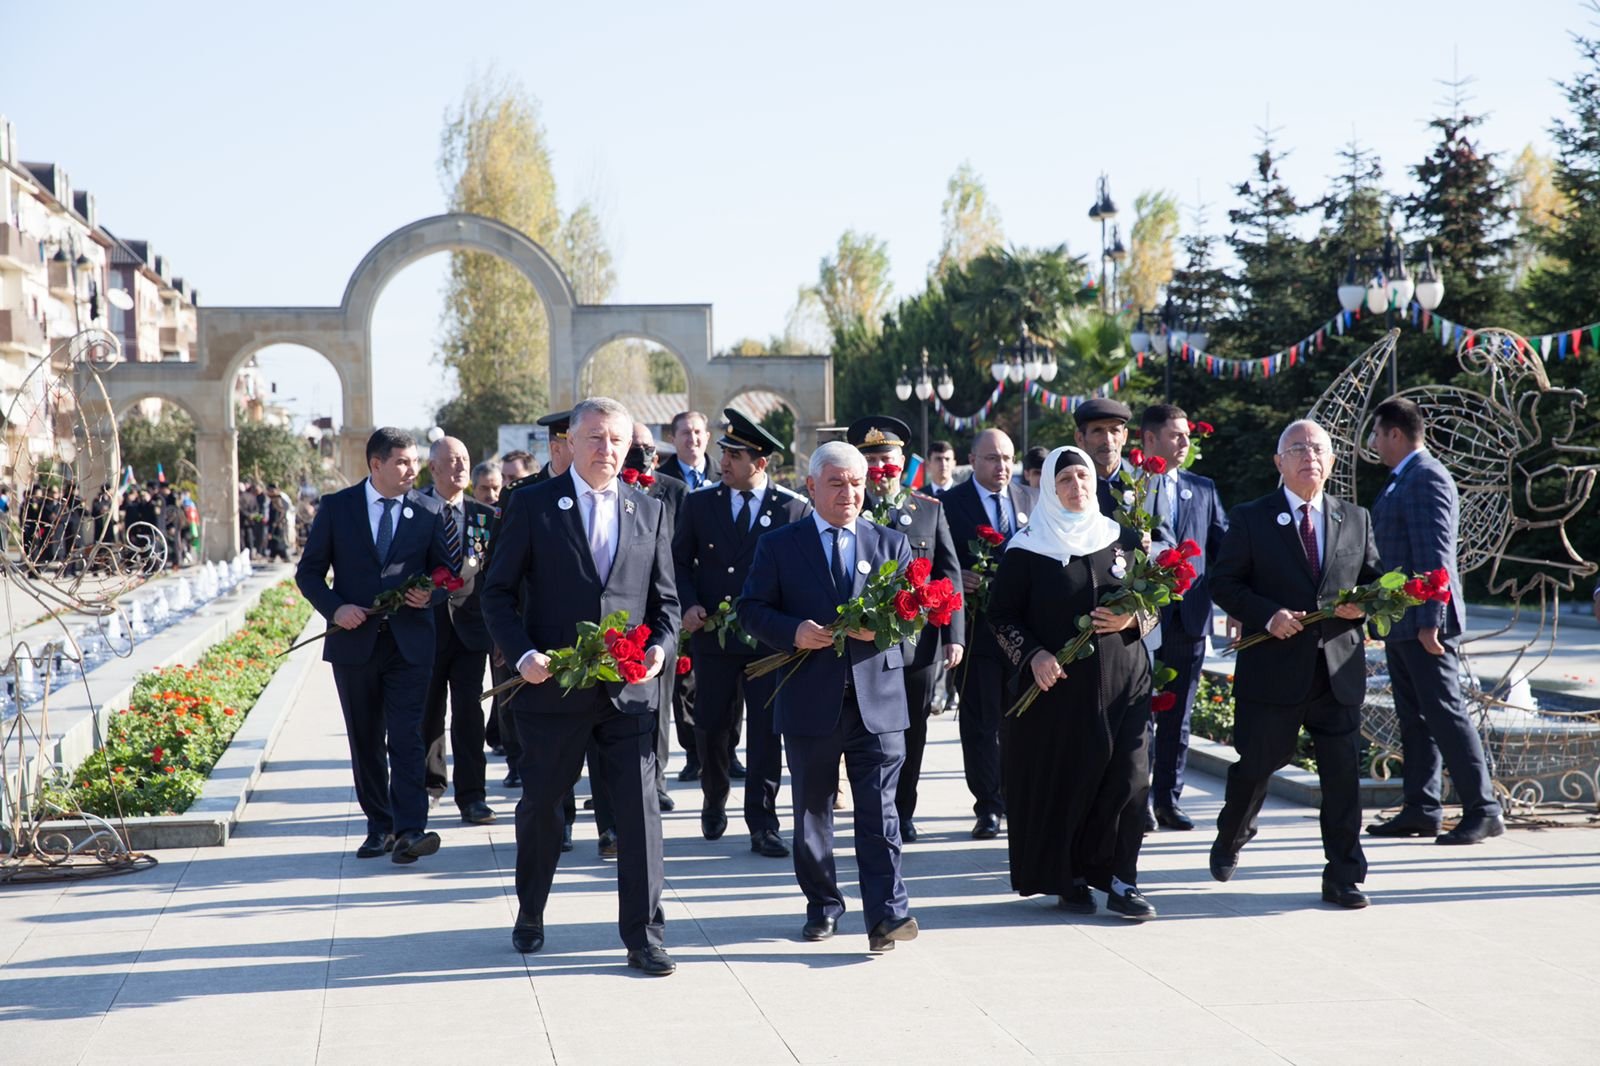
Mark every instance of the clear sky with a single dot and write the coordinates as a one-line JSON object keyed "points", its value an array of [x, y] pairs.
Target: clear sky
{"points": [[265, 148]]}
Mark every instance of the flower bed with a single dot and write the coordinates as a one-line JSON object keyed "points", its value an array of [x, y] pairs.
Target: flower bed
{"points": [[159, 750]]}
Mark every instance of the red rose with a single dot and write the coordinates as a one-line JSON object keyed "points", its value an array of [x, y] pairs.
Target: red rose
{"points": [[440, 575], [631, 672], [877, 473], [906, 606], [1155, 465], [1181, 585], [1136, 456], [889, 470], [1169, 558], [1442, 596], [990, 535], [1189, 549], [624, 650], [930, 595], [647, 480], [917, 573], [1201, 429], [1439, 579], [611, 637], [630, 475], [941, 615], [1163, 701], [1417, 589], [684, 665], [452, 583], [639, 634]]}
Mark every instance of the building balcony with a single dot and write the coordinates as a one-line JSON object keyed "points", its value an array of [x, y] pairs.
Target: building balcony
{"points": [[17, 252], [61, 279], [20, 334], [174, 342]]}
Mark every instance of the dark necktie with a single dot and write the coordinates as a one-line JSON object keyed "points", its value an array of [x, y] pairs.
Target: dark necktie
{"points": [[1002, 524], [745, 518], [841, 577], [452, 537], [693, 478], [386, 530], [1308, 540]]}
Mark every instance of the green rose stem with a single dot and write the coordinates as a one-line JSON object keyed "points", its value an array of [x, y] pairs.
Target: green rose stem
{"points": [[386, 604], [1384, 600]]}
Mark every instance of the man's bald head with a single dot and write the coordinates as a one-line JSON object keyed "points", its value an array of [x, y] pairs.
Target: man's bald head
{"points": [[992, 459], [451, 467]]}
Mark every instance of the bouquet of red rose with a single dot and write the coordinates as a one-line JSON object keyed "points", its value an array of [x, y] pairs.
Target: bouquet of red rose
{"points": [[887, 491], [1385, 601], [637, 478], [389, 601], [1148, 585], [1136, 489], [984, 562], [724, 622], [894, 606], [602, 652], [1198, 431]]}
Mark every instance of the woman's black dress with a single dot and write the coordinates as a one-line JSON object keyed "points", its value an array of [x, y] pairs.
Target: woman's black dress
{"points": [[1076, 763]]}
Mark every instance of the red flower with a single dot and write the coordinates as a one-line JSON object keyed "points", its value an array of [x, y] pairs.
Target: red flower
{"points": [[684, 665], [172, 769], [990, 535], [889, 470], [1163, 701], [1439, 579], [156, 755], [877, 473], [1155, 465], [1189, 549], [647, 480], [917, 573], [905, 604], [941, 615], [229, 711], [624, 650], [1181, 585], [1136, 456], [630, 475], [1442, 596], [1418, 589], [1169, 558], [611, 637], [639, 634], [441, 577], [930, 595], [632, 672], [1201, 429]]}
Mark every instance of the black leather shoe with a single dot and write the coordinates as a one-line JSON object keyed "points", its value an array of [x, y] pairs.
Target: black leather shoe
{"points": [[1223, 864], [608, 844], [908, 832], [884, 935], [566, 838], [769, 843], [478, 813], [1079, 901], [736, 768], [1130, 904], [1173, 818], [690, 772], [652, 961], [588, 804], [713, 823], [987, 827], [376, 844], [1149, 821], [527, 936], [1344, 895], [666, 802], [1408, 823], [513, 780], [411, 846], [819, 928], [1474, 829]]}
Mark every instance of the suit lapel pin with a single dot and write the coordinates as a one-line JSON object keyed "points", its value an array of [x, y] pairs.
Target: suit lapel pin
{"points": [[863, 566], [1283, 518], [905, 520], [627, 505], [1390, 489], [1186, 494], [406, 512], [565, 503], [1022, 518], [766, 520]]}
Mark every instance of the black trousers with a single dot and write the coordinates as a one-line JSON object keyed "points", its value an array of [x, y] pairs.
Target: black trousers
{"points": [[716, 737], [1435, 732], [983, 704], [920, 682], [1170, 752], [382, 703], [458, 676], [872, 761], [553, 748], [1265, 736], [505, 722]]}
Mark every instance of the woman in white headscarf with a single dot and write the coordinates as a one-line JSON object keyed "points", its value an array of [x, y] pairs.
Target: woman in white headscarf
{"points": [[1076, 764]]}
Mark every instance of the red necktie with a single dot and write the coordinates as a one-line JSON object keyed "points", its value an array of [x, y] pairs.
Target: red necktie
{"points": [[1308, 540]]}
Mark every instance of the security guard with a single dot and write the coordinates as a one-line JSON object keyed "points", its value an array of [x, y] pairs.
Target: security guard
{"points": [[713, 548], [881, 439]]}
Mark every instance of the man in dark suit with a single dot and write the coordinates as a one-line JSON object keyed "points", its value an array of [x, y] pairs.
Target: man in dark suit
{"points": [[881, 438], [1414, 521], [690, 435], [828, 704], [1186, 507], [516, 471], [1285, 554], [987, 498], [577, 548], [461, 641], [941, 469], [715, 543], [1102, 430], [375, 536]]}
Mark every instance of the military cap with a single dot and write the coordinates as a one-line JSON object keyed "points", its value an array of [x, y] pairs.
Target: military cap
{"points": [[1100, 409], [558, 423], [876, 433], [745, 435]]}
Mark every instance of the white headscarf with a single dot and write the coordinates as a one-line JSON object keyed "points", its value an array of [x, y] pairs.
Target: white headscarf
{"points": [[1057, 532]]}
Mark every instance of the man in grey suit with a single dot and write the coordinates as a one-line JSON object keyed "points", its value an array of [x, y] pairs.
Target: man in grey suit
{"points": [[1414, 523]]}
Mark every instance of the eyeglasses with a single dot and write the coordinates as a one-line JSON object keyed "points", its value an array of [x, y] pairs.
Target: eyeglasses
{"points": [[1300, 451]]}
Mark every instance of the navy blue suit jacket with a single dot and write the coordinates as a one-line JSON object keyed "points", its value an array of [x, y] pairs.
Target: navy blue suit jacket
{"points": [[789, 582], [1414, 521], [341, 540], [1202, 520]]}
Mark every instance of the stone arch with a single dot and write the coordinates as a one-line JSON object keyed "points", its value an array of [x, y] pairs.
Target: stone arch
{"points": [[340, 369], [798, 450]]}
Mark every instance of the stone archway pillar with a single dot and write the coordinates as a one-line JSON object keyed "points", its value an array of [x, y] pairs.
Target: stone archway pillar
{"points": [[217, 456], [350, 455]]}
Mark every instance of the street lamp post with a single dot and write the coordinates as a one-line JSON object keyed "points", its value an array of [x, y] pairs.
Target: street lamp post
{"points": [[1172, 330], [1112, 252], [1389, 286], [924, 387], [1025, 362]]}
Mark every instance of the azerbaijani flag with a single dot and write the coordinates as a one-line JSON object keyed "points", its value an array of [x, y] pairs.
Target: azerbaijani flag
{"points": [[127, 479], [161, 475], [913, 472]]}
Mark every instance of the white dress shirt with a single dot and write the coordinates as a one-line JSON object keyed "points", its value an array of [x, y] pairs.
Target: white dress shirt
{"points": [[736, 503], [1318, 522], [375, 510], [847, 543], [1005, 506], [608, 515]]}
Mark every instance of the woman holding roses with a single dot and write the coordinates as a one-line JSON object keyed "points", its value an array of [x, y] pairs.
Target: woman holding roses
{"points": [[1076, 765]]}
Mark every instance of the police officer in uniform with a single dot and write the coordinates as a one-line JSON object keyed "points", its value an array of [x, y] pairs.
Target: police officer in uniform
{"points": [[712, 551], [920, 518]]}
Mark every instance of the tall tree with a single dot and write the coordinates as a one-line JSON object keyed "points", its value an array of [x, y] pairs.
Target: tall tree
{"points": [[1538, 204], [853, 283], [970, 223], [1354, 215], [585, 256], [1152, 249], [1200, 289]]}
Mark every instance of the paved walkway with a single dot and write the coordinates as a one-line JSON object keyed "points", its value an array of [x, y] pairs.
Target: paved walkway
{"points": [[282, 948]]}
